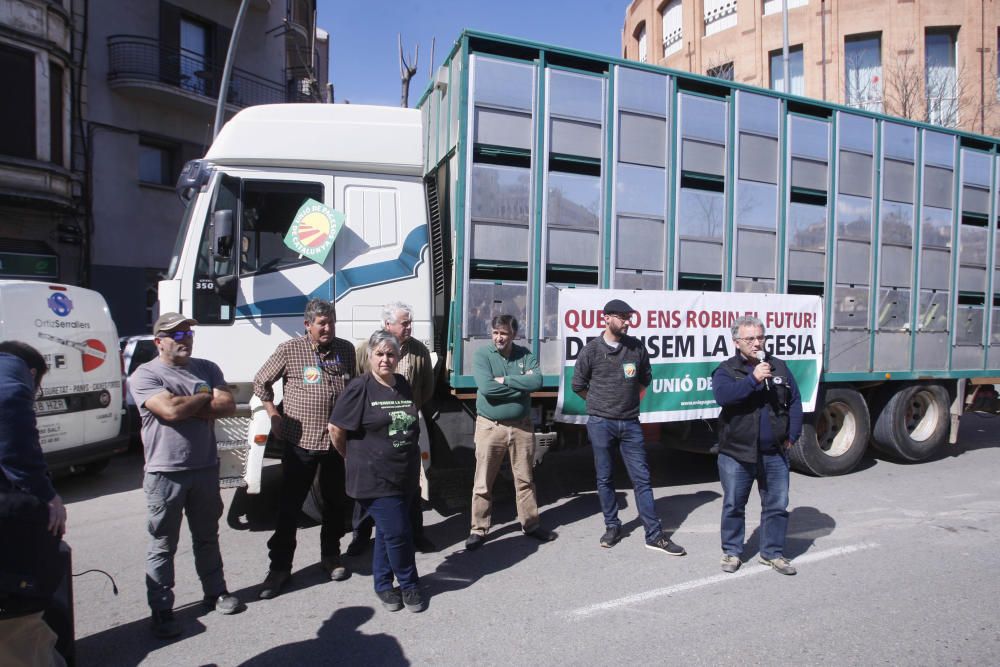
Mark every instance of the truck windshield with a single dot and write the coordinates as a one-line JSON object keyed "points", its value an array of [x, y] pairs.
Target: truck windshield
{"points": [[175, 256]]}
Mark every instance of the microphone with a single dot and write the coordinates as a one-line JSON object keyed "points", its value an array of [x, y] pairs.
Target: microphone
{"points": [[760, 357]]}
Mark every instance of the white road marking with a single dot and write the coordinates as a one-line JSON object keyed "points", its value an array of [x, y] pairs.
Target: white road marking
{"points": [[746, 571]]}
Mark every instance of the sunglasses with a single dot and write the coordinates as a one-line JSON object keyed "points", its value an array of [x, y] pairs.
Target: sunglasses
{"points": [[177, 335]]}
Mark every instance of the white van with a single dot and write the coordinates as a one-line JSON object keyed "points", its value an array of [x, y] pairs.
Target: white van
{"points": [[80, 411]]}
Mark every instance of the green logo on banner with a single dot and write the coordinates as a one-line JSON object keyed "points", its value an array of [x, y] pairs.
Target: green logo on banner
{"points": [[314, 230]]}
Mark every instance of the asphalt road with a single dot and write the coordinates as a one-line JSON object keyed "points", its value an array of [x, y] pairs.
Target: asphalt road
{"points": [[897, 565]]}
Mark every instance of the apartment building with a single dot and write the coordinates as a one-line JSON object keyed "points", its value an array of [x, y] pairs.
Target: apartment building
{"points": [[921, 59], [41, 218], [108, 100]]}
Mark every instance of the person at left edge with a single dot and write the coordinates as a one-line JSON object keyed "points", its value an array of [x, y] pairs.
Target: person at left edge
{"points": [[314, 369], [179, 397], [32, 516]]}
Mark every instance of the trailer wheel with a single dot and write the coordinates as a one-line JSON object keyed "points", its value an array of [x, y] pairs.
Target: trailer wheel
{"points": [[914, 423], [836, 442]]}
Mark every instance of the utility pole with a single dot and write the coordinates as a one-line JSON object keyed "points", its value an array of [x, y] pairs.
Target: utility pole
{"points": [[784, 45], [220, 105]]}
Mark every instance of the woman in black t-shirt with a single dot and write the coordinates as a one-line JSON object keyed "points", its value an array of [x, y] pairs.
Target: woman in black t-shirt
{"points": [[374, 427]]}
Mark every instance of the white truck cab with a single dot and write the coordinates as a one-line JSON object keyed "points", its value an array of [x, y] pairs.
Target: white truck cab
{"points": [[231, 269]]}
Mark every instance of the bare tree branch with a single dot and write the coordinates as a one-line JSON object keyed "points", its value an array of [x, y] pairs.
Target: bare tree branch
{"points": [[720, 66], [406, 71]]}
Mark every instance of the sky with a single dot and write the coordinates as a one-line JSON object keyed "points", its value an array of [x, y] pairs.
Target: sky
{"points": [[364, 52]]}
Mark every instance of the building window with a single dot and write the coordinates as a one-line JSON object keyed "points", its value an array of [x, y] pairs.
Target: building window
{"points": [[863, 72], [723, 71], [156, 162], [56, 109], [940, 57], [719, 15], [17, 115], [774, 6], [672, 31], [194, 55], [640, 36], [795, 71]]}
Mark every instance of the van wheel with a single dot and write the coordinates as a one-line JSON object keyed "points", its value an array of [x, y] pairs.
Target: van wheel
{"points": [[95, 467], [835, 443], [914, 424]]}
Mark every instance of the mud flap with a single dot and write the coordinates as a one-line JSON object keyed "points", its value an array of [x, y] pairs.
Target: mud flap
{"points": [[260, 427]]}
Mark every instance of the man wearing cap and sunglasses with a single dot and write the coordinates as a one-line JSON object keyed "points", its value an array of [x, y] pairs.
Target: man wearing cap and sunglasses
{"points": [[610, 374], [179, 397]]}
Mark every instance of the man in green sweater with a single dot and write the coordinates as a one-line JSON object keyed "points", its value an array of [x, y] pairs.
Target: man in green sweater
{"points": [[506, 374]]}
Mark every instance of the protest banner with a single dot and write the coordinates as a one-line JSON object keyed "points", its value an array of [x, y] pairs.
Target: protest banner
{"points": [[687, 335]]}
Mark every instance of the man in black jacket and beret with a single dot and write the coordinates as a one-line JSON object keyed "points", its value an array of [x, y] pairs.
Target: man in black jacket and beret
{"points": [[761, 419]]}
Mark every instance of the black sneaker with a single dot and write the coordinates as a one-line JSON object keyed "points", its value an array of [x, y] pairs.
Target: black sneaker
{"points": [[413, 600], [663, 544], [391, 599], [541, 534], [359, 543], [223, 603], [164, 626], [273, 584], [474, 541], [334, 568], [611, 537]]}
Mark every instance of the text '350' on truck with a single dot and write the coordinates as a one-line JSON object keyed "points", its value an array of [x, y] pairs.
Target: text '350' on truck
{"points": [[529, 170]]}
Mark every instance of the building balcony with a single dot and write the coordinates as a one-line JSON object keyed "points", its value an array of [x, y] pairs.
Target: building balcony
{"points": [[187, 79], [41, 185]]}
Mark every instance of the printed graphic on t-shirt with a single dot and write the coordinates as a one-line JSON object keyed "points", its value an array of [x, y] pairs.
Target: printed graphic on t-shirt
{"points": [[202, 388], [629, 369], [401, 423], [311, 375]]}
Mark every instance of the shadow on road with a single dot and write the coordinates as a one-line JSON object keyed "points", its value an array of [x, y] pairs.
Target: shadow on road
{"points": [[805, 526], [502, 549], [338, 641], [124, 473], [131, 643]]}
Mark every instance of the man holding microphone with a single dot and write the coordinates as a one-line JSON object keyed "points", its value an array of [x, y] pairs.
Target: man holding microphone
{"points": [[761, 419]]}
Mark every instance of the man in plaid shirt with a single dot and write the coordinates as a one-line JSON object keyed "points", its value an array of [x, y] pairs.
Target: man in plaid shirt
{"points": [[314, 369]]}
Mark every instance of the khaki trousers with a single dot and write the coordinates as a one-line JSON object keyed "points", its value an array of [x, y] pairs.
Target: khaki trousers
{"points": [[28, 641], [493, 440]]}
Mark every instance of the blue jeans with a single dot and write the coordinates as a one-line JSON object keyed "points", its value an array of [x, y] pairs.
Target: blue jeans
{"points": [[394, 553], [626, 434], [771, 473]]}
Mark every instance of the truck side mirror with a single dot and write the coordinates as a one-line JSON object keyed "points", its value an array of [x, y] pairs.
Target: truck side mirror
{"points": [[222, 235]]}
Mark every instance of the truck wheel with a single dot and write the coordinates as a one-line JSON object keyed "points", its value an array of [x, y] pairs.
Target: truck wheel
{"points": [[836, 442], [914, 424]]}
